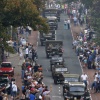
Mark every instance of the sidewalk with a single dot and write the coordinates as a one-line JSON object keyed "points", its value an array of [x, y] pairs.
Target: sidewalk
{"points": [[90, 72], [15, 59]]}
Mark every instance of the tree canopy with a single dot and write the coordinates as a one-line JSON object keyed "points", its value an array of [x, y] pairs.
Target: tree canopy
{"points": [[19, 13]]}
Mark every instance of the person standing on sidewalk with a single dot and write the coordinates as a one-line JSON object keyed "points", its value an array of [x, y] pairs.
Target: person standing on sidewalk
{"points": [[14, 90], [65, 24], [84, 78], [26, 52], [68, 23], [75, 20]]}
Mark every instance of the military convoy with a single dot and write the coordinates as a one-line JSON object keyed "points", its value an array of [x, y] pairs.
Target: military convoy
{"points": [[73, 87]]}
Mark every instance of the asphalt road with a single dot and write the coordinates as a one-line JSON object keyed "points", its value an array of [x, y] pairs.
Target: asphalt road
{"points": [[70, 57]]}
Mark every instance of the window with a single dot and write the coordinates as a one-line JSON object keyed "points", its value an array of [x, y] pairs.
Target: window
{"points": [[76, 89], [6, 65], [61, 69], [71, 79]]}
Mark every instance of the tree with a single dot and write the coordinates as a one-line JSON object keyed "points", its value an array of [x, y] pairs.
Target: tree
{"points": [[40, 4], [19, 13], [95, 19]]}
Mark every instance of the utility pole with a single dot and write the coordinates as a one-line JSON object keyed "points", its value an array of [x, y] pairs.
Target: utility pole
{"points": [[11, 30]]}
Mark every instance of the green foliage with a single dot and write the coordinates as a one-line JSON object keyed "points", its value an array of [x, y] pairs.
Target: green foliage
{"points": [[88, 3], [95, 19], [20, 13], [40, 4]]}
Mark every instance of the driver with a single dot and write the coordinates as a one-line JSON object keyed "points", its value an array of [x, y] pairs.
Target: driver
{"points": [[50, 46]]}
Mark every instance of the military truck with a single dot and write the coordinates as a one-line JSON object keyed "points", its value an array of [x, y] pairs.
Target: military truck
{"points": [[52, 12], [53, 48], [48, 36], [70, 78], [57, 74], [76, 91], [53, 23], [56, 60]]}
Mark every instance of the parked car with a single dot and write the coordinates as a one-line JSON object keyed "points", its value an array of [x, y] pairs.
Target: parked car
{"points": [[6, 69], [4, 84]]}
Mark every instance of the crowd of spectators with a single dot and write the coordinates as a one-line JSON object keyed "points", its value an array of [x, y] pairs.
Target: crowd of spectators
{"points": [[33, 87], [86, 49]]}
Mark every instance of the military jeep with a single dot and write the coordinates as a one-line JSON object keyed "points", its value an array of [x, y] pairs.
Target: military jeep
{"points": [[56, 60], [53, 48], [70, 78], [76, 91], [53, 23], [48, 36], [52, 12], [57, 73]]}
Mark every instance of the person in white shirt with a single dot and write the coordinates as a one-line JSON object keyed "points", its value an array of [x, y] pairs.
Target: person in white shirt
{"points": [[84, 78], [75, 20], [68, 23], [26, 52], [14, 90], [65, 24], [29, 77]]}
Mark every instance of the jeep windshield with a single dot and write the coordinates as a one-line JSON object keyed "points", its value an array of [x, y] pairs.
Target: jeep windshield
{"points": [[76, 89], [6, 65], [51, 21], [50, 14], [71, 79], [61, 69]]}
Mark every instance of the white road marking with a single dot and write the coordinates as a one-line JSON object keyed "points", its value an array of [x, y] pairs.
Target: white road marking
{"points": [[59, 90], [59, 87]]}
